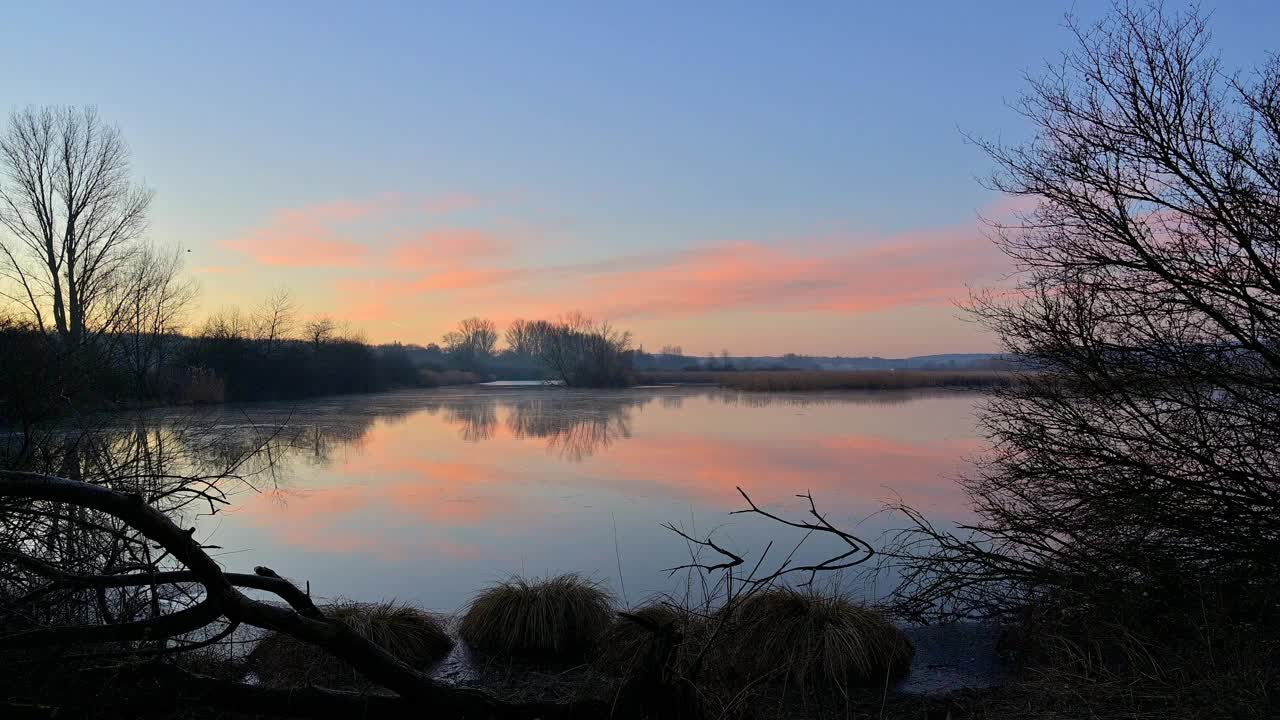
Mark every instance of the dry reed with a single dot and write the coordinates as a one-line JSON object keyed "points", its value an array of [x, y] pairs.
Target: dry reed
{"points": [[813, 642], [558, 618]]}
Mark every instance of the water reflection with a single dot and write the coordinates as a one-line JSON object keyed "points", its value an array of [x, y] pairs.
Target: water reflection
{"points": [[180, 466], [428, 495], [574, 427], [476, 421]]}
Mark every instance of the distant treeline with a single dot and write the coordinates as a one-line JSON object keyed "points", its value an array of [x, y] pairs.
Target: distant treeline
{"points": [[672, 357], [43, 379], [266, 355], [799, 380]]}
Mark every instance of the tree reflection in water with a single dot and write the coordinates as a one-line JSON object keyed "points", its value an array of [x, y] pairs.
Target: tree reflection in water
{"points": [[184, 467], [574, 424]]}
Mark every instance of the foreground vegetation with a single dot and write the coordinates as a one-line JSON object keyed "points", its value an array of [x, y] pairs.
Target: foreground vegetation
{"points": [[800, 380], [749, 642], [561, 618], [1126, 516], [410, 635], [810, 640]]}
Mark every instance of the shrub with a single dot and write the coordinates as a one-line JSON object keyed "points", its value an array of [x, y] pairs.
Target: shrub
{"points": [[813, 641], [439, 378], [559, 618], [197, 386], [415, 637]]}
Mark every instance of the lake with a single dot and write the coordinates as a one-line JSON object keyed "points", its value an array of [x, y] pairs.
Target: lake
{"points": [[427, 496]]}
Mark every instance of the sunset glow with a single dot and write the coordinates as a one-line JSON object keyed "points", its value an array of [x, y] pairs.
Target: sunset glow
{"points": [[755, 179]]}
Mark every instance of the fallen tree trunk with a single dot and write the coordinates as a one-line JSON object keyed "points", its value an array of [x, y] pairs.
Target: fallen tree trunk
{"points": [[414, 692]]}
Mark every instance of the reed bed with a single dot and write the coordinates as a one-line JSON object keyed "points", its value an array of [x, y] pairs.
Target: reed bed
{"points": [[801, 380], [560, 618]]}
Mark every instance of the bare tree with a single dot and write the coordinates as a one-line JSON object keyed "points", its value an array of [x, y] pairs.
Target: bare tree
{"points": [[321, 330], [274, 320], [153, 301], [524, 337], [472, 343], [1140, 459], [72, 215], [228, 324], [582, 353]]}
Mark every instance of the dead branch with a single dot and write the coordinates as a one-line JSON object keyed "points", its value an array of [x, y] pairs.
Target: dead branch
{"points": [[415, 691]]}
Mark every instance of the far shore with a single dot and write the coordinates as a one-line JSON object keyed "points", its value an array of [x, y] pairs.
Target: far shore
{"points": [[801, 380]]}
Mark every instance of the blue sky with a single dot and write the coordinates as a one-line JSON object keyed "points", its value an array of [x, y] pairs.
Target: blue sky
{"points": [[597, 130]]}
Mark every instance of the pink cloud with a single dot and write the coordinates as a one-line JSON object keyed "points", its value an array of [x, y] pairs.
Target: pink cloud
{"points": [[460, 279], [836, 274], [908, 269], [845, 273], [309, 236], [338, 233], [301, 248], [480, 269], [440, 247]]}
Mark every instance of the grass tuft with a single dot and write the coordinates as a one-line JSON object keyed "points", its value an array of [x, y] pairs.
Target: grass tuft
{"points": [[814, 642], [559, 618], [418, 638], [630, 647]]}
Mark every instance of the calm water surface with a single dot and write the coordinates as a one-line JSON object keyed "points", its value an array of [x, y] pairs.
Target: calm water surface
{"points": [[429, 495]]}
